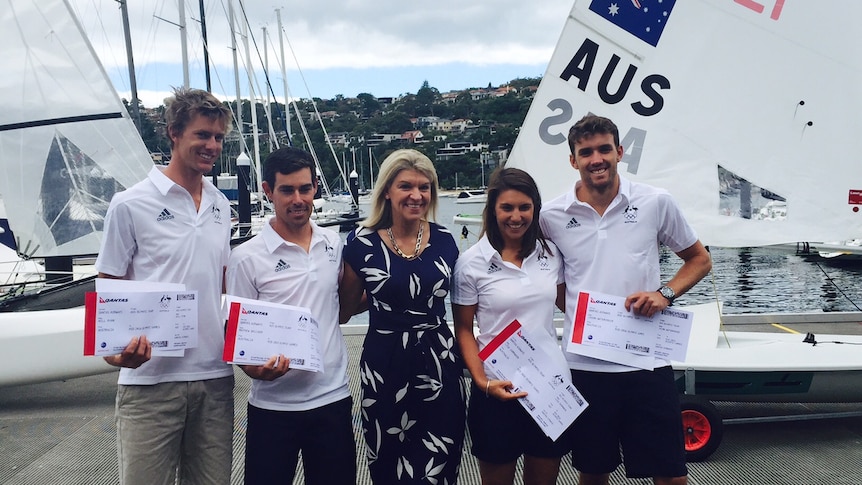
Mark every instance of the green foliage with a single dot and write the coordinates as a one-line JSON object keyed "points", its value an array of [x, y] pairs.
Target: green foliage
{"points": [[497, 121]]}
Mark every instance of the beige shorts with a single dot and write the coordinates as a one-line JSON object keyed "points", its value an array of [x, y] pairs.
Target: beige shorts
{"points": [[175, 430]]}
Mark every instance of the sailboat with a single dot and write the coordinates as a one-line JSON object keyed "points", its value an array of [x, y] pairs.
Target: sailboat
{"points": [[67, 145], [742, 110]]}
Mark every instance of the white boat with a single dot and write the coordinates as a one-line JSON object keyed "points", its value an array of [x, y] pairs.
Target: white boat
{"points": [[67, 146], [471, 197], [743, 113]]}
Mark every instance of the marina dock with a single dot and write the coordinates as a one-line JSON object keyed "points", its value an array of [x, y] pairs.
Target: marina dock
{"points": [[62, 433]]}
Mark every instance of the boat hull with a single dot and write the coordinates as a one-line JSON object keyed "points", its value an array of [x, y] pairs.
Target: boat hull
{"points": [[46, 345], [768, 366], [776, 386]]}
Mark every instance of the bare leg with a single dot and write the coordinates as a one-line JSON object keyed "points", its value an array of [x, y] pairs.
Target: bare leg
{"points": [[496, 473], [591, 479], [540, 471], [670, 480]]}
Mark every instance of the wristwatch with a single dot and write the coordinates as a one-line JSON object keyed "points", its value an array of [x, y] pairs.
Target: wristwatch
{"points": [[667, 292]]}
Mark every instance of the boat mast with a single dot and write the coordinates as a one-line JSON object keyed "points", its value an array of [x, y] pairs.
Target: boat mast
{"points": [[252, 94], [370, 168], [136, 115], [267, 107], [181, 24], [184, 47], [206, 52], [238, 115], [284, 79]]}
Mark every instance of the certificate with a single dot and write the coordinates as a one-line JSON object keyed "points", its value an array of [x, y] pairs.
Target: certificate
{"points": [[604, 329], [552, 400], [168, 318], [258, 330]]}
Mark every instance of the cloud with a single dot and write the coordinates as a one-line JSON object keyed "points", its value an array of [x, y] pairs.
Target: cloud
{"points": [[324, 35]]}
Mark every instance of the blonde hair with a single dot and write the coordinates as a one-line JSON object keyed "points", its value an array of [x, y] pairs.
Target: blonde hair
{"points": [[405, 159]]}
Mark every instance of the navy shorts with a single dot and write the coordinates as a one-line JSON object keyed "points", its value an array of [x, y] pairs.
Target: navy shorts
{"points": [[324, 435], [502, 431], [637, 411]]}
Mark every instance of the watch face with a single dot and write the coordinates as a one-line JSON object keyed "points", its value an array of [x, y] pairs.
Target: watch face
{"points": [[667, 292]]}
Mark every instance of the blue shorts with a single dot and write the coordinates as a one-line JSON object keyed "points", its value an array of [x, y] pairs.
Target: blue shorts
{"points": [[638, 411], [502, 431], [324, 435]]}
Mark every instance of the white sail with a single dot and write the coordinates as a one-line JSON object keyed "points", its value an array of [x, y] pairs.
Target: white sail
{"points": [[722, 103], [67, 143]]}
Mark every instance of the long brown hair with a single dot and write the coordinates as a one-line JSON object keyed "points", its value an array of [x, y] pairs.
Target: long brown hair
{"points": [[504, 179]]}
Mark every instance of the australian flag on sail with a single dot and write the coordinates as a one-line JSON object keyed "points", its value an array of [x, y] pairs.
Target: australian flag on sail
{"points": [[645, 19]]}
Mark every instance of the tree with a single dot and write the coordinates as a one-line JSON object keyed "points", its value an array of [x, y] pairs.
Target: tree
{"points": [[368, 104]]}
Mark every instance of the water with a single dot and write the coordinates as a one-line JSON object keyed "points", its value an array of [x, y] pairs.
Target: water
{"points": [[745, 280]]}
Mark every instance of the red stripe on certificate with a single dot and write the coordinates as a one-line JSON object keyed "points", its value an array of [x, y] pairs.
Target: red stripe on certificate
{"points": [[90, 323], [499, 339], [580, 317], [230, 332]]}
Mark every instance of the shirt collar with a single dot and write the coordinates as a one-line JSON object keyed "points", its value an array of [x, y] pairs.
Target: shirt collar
{"points": [[624, 193], [273, 241], [160, 180], [488, 252]]}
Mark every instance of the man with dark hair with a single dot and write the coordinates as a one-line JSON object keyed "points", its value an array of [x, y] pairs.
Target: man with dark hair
{"points": [[609, 230], [175, 412], [295, 262]]}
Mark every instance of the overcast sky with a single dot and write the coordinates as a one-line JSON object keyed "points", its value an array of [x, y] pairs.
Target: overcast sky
{"points": [[382, 47]]}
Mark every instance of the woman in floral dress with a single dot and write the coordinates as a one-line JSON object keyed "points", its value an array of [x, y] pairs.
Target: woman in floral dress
{"points": [[413, 395]]}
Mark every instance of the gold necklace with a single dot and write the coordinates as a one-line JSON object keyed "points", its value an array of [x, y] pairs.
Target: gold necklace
{"points": [[418, 243]]}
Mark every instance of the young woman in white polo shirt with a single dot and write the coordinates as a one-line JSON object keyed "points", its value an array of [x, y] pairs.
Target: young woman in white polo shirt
{"points": [[512, 273]]}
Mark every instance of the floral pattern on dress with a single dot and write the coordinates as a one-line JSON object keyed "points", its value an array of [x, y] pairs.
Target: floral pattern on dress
{"points": [[413, 396]]}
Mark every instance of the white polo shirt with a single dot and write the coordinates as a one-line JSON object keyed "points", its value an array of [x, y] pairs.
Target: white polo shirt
{"points": [[268, 268], [154, 233], [617, 253], [503, 292]]}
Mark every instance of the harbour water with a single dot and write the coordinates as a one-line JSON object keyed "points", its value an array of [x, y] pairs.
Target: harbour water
{"points": [[744, 280]]}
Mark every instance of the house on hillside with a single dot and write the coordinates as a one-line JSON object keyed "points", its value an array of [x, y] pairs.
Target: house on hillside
{"points": [[338, 138], [325, 115], [457, 148], [380, 138], [412, 137]]}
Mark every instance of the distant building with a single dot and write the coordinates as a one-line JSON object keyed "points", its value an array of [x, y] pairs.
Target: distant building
{"points": [[339, 138], [325, 115], [380, 138], [457, 148], [413, 136]]}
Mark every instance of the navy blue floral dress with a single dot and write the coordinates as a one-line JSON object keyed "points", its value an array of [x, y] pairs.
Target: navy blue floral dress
{"points": [[413, 395]]}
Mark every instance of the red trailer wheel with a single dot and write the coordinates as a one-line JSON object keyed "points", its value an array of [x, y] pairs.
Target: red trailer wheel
{"points": [[702, 427]]}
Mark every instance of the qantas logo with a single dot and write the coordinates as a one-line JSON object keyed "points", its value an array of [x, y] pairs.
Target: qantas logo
{"points": [[602, 302], [253, 312], [113, 300]]}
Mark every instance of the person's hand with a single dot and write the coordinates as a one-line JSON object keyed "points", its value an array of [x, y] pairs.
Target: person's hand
{"points": [[502, 390], [274, 368], [646, 303], [134, 355]]}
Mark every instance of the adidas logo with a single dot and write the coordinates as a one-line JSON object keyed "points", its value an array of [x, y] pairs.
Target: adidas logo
{"points": [[165, 215], [494, 268], [573, 223], [281, 266]]}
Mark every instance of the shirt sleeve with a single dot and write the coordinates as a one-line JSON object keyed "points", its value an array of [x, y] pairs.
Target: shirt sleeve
{"points": [[118, 241], [239, 279], [464, 289], [675, 232]]}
